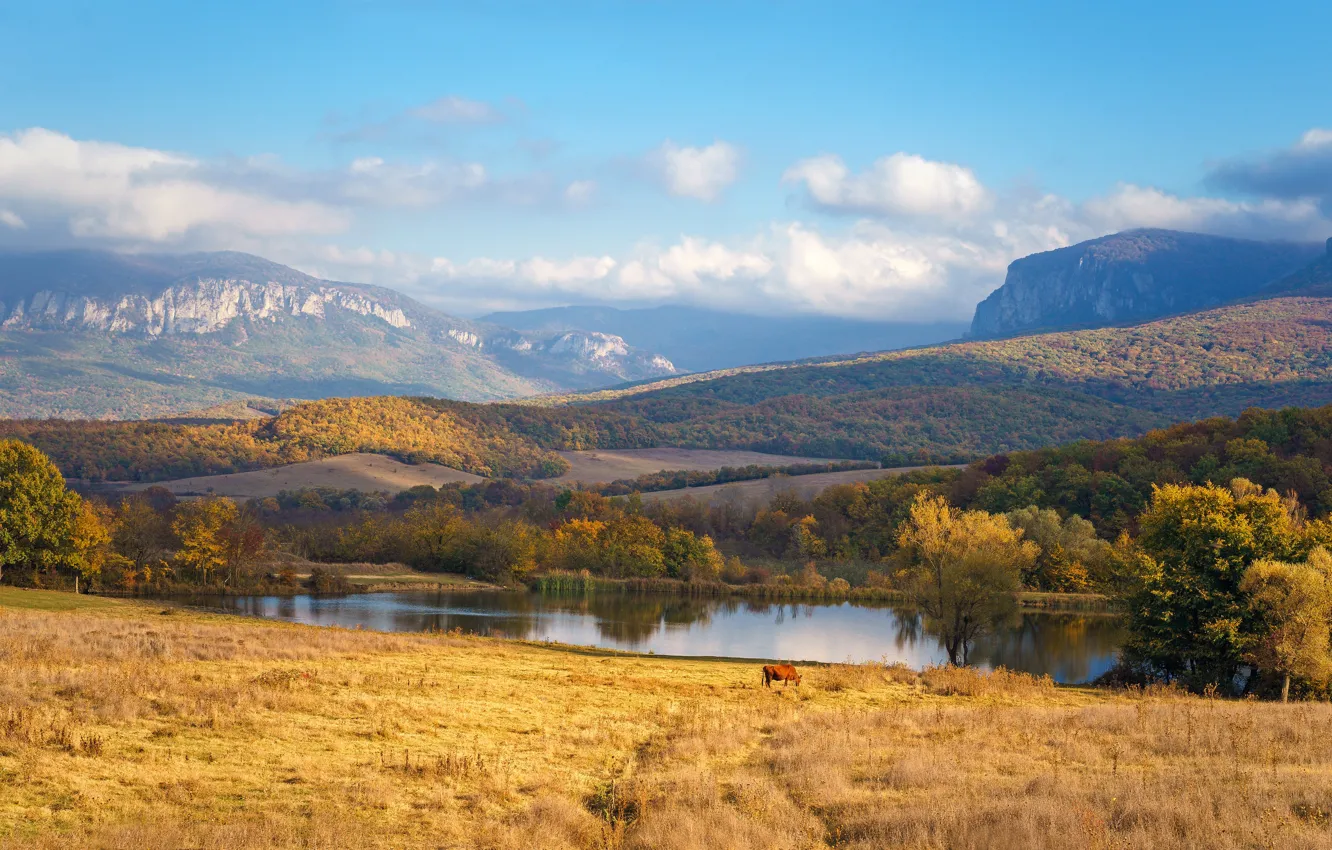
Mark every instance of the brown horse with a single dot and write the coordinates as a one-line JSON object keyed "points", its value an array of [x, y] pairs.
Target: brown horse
{"points": [[780, 673]]}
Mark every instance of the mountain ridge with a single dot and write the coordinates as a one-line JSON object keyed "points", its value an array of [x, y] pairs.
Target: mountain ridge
{"points": [[127, 327]]}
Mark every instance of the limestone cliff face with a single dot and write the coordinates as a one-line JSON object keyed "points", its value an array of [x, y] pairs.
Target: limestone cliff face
{"points": [[194, 307], [1132, 276]]}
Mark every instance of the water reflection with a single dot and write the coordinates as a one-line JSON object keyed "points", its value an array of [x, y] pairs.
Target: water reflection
{"points": [[1070, 647]]}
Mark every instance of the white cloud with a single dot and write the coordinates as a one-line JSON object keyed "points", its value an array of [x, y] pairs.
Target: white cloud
{"points": [[900, 184], [120, 192], [12, 220], [372, 181], [1315, 138], [452, 109], [700, 173], [916, 269], [580, 192]]}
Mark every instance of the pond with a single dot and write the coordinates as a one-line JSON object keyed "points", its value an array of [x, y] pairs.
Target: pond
{"points": [[1070, 647]]}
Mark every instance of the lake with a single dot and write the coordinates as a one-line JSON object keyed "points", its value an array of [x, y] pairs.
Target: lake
{"points": [[1070, 647]]}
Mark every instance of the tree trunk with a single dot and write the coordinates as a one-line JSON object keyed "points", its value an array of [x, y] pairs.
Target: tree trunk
{"points": [[1285, 689]]}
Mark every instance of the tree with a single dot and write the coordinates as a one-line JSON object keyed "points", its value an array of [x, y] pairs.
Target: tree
{"points": [[690, 557], [38, 515], [139, 532], [203, 526], [1294, 606], [91, 540], [963, 571], [1189, 618], [1070, 555]]}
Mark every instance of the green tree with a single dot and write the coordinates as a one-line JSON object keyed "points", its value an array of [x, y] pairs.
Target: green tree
{"points": [[1070, 551], [1188, 618], [1293, 603], [690, 557], [39, 517], [963, 571]]}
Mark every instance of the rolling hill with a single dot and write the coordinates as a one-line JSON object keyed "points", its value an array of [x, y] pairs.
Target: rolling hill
{"points": [[103, 335]]}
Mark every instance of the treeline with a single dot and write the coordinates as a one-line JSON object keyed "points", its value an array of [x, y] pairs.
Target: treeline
{"points": [[1111, 482], [680, 479]]}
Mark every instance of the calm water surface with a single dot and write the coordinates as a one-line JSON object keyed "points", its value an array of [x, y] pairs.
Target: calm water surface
{"points": [[1069, 647]]}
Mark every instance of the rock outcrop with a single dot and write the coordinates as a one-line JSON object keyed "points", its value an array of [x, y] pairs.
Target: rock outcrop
{"points": [[1132, 276]]}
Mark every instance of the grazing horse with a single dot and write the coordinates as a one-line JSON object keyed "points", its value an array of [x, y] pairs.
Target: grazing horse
{"points": [[780, 673]]}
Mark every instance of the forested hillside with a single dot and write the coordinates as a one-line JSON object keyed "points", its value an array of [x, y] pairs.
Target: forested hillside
{"points": [[975, 398], [411, 430]]}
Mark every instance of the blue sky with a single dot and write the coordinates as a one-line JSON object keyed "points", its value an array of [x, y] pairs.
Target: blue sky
{"points": [[852, 158]]}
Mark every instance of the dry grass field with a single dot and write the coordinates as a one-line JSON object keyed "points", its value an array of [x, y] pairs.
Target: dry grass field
{"points": [[125, 725], [601, 466], [346, 472]]}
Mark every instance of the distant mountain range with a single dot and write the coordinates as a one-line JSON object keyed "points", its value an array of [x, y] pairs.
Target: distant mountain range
{"points": [[1133, 277], [98, 334], [696, 339], [950, 402]]}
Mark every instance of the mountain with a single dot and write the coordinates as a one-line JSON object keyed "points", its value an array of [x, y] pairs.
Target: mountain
{"points": [[695, 339], [948, 403], [97, 334], [1314, 279], [1132, 277]]}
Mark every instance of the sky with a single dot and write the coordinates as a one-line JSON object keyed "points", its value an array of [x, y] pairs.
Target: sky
{"points": [[880, 160]]}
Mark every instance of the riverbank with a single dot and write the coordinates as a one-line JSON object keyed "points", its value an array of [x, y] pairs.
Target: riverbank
{"points": [[132, 726]]}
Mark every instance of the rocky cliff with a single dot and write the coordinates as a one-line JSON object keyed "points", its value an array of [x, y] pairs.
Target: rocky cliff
{"points": [[1132, 276], [238, 324]]}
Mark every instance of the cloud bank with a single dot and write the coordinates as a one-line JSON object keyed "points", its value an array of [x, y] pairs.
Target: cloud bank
{"points": [[906, 238]]}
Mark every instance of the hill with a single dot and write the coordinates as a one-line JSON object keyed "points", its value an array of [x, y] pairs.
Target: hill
{"points": [[1131, 277], [97, 334], [697, 339], [411, 430], [943, 403]]}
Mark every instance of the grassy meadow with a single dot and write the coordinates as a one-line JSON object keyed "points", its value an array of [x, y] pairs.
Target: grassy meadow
{"points": [[127, 725]]}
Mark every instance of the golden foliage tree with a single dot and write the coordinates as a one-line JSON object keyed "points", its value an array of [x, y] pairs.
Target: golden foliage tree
{"points": [[963, 569], [1293, 603], [202, 527]]}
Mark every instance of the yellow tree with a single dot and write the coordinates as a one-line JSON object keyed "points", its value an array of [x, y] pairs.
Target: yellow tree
{"points": [[1293, 603], [964, 569], [91, 540], [202, 526]]}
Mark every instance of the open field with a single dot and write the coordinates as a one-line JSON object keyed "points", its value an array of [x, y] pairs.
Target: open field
{"points": [[601, 466], [123, 725], [760, 490], [379, 472], [344, 472]]}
